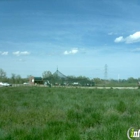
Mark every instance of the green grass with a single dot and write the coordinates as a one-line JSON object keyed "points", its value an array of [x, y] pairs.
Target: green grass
{"points": [[41, 113], [110, 84]]}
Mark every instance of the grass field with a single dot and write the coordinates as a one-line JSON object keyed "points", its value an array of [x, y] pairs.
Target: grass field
{"points": [[40, 113]]}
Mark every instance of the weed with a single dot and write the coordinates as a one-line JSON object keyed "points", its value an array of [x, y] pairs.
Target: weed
{"points": [[33, 113]]}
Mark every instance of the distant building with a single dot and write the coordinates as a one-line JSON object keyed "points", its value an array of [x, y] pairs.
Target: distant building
{"points": [[59, 74], [36, 80]]}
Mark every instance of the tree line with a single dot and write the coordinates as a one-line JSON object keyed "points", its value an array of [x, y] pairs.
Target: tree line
{"points": [[55, 79], [14, 79], [69, 80]]}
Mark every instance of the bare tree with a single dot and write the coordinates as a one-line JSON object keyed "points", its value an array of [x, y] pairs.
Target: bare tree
{"points": [[46, 74], [13, 78], [18, 79], [2, 74]]}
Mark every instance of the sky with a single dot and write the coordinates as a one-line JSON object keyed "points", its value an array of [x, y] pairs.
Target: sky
{"points": [[79, 37]]}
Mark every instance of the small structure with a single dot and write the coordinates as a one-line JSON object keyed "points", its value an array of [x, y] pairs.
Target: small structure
{"points": [[36, 80], [75, 84], [47, 83]]}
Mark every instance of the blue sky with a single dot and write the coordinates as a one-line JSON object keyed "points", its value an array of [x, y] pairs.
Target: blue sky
{"points": [[78, 36]]}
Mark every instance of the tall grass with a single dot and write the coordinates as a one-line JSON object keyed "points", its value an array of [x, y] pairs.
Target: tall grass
{"points": [[40, 113]]}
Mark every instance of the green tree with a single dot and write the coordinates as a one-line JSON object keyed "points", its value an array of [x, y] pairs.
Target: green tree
{"points": [[83, 80], [132, 80], [98, 81]]}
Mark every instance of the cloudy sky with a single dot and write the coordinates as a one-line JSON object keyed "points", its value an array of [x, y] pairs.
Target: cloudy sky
{"points": [[78, 36]]}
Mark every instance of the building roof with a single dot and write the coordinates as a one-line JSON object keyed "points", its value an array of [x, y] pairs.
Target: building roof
{"points": [[59, 74], [38, 78]]}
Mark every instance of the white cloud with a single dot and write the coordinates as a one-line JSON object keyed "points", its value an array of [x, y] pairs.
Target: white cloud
{"points": [[4, 53], [129, 39], [66, 52], [25, 53], [18, 53], [73, 51], [119, 39], [133, 38]]}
